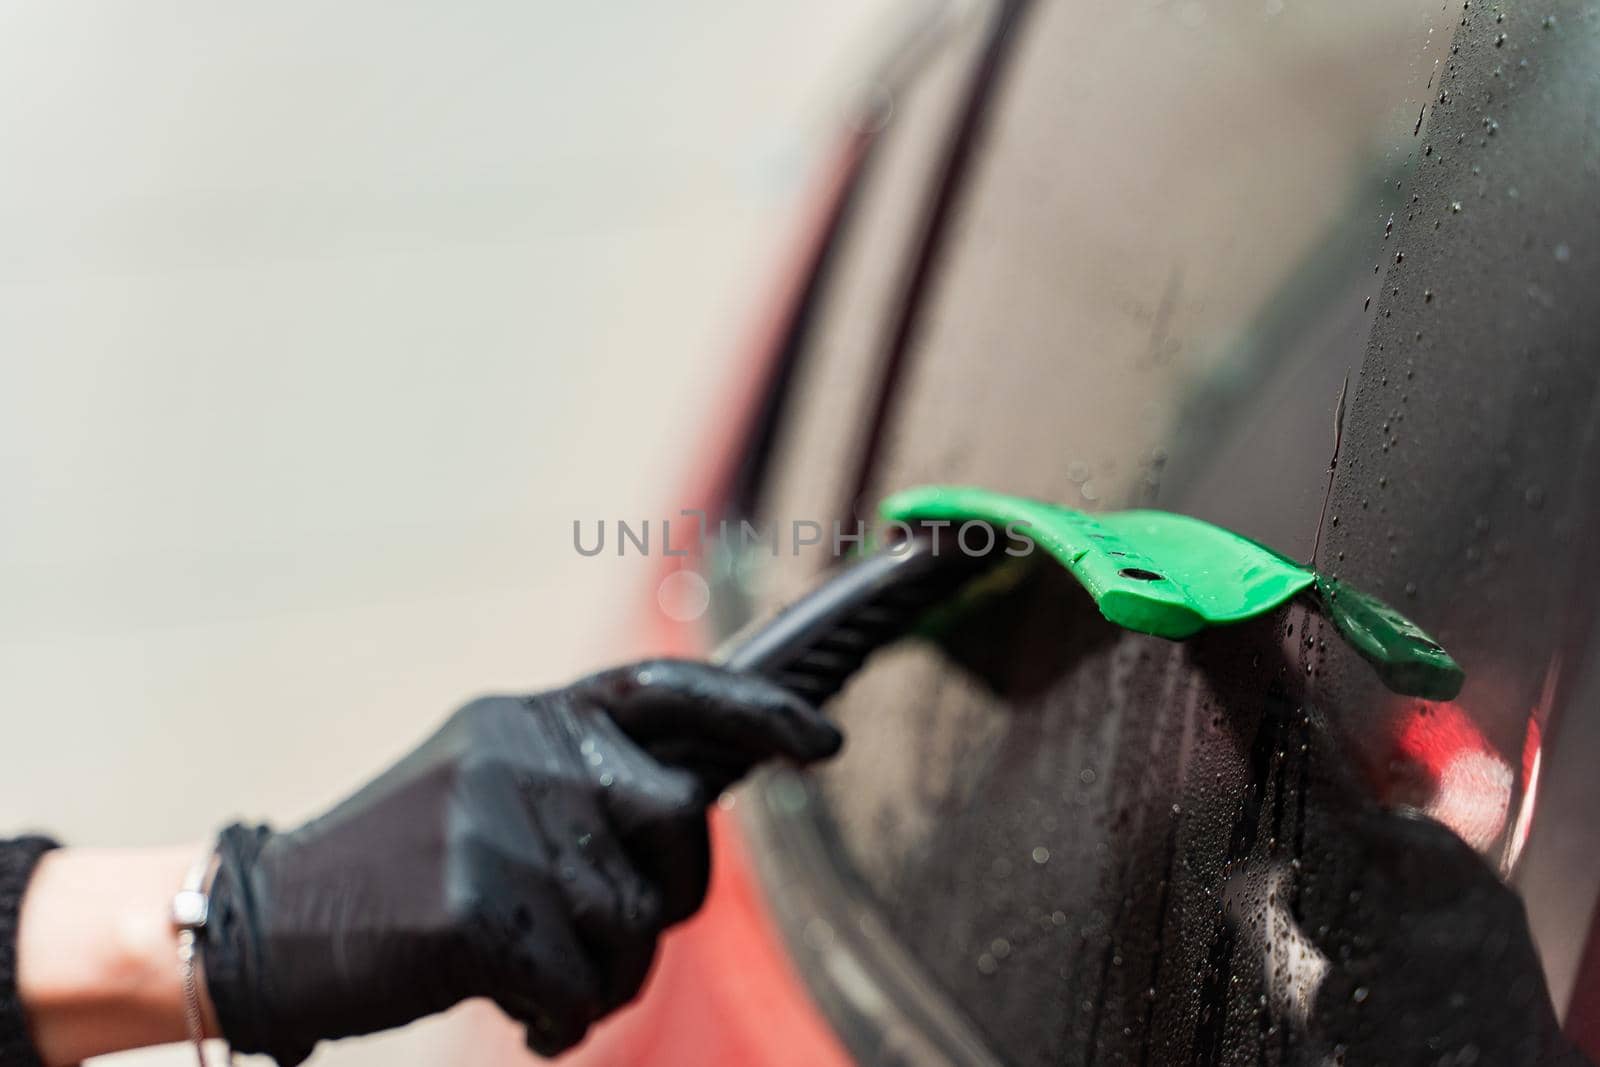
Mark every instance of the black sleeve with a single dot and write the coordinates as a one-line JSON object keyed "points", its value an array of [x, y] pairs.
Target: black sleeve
{"points": [[17, 860]]}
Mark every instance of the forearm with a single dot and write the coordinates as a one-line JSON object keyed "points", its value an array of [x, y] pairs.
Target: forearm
{"points": [[97, 956]]}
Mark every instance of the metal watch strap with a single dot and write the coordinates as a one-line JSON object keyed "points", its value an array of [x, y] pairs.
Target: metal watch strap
{"points": [[190, 908]]}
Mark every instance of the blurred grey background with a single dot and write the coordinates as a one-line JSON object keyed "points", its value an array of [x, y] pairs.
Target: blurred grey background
{"points": [[320, 324]]}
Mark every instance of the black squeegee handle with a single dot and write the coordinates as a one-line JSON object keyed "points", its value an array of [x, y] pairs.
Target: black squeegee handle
{"points": [[813, 646]]}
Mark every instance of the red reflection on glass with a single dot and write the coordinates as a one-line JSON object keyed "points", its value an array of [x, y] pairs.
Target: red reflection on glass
{"points": [[1532, 754], [1454, 774]]}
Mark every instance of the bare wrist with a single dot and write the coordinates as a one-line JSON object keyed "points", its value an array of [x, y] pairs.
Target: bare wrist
{"points": [[97, 954]]}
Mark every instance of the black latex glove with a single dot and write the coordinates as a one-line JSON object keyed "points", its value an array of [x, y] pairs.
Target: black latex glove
{"points": [[530, 852]]}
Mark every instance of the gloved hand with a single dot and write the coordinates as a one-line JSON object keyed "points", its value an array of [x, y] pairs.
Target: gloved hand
{"points": [[530, 852]]}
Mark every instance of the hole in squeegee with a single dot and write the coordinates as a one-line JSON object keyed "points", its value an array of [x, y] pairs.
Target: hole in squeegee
{"points": [[1141, 574]]}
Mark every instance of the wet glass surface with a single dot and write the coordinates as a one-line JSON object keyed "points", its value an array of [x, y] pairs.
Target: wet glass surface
{"points": [[1193, 234]]}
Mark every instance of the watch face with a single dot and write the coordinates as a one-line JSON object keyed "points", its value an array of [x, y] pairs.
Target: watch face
{"points": [[189, 909]]}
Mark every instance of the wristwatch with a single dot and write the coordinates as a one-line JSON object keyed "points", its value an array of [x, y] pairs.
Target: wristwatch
{"points": [[190, 907]]}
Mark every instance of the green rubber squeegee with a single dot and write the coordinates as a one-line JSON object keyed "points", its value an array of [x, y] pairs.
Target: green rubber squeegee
{"points": [[1153, 572]]}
